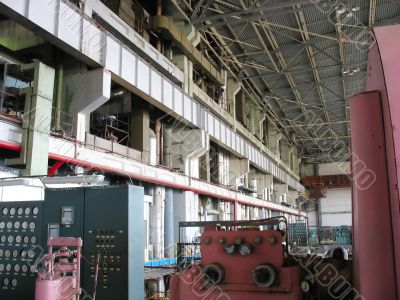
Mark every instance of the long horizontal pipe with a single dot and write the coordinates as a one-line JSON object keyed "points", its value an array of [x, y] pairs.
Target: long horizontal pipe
{"points": [[15, 147]]}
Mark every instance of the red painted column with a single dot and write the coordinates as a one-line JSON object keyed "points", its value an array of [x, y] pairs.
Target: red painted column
{"points": [[373, 256]]}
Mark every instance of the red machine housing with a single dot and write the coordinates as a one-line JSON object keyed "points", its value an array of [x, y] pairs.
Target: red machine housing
{"points": [[250, 263], [375, 143]]}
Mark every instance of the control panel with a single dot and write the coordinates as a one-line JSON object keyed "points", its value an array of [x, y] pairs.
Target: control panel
{"points": [[109, 220], [20, 246], [115, 233]]}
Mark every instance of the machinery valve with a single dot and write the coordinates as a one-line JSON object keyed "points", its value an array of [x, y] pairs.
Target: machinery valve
{"points": [[265, 275]]}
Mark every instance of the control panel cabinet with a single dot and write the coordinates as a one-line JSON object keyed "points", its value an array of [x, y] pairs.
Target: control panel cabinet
{"points": [[20, 247], [109, 219]]}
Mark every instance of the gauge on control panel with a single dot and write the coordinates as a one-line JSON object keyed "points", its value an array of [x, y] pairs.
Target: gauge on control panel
{"points": [[8, 267], [7, 253], [6, 282], [24, 268], [1, 267], [24, 225], [23, 253], [1, 252], [14, 282], [12, 211], [27, 211], [17, 268], [9, 225], [15, 253], [18, 239], [17, 225], [26, 239], [3, 239], [5, 211], [31, 254], [32, 225], [10, 239], [2, 225], [33, 239], [20, 211], [35, 210]]}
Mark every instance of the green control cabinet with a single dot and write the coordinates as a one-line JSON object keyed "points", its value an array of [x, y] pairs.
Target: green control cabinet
{"points": [[109, 219]]}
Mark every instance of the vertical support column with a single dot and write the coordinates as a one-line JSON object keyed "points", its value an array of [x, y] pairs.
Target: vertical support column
{"points": [[286, 152], [274, 136], [232, 89], [281, 191], [140, 131], [169, 238], [34, 154]]}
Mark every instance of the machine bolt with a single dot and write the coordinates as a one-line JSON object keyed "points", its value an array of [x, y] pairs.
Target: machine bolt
{"points": [[257, 240], [272, 240], [238, 240], [245, 249]]}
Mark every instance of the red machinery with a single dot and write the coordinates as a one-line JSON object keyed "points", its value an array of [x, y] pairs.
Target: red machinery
{"points": [[59, 272], [375, 143], [239, 263]]}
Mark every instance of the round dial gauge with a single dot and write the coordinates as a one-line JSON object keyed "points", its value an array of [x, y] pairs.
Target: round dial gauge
{"points": [[1, 267], [15, 253], [10, 239], [3, 239], [18, 239], [6, 282], [27, 211], [17, 225], [32, 225], [2, 225], [7, 253], [24, 268], [12, 211], [23, 253], [8, 267], [24, 225], [20, 211], [26, 239], [5, 211], [17, 267], [9, 225], [31, 254], [35, 210], [14, 282], [32, 269], [1, 252], [33, 239]]}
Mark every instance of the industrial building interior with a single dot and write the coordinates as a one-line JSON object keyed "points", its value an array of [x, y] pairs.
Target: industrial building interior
{"points": [[199, 149]]}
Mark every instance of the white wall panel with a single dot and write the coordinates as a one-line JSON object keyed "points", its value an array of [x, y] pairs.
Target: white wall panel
{"points": [[168, 95], [178, 101], [128, 68], [143, 76], [113, 59], [156, 87]]}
